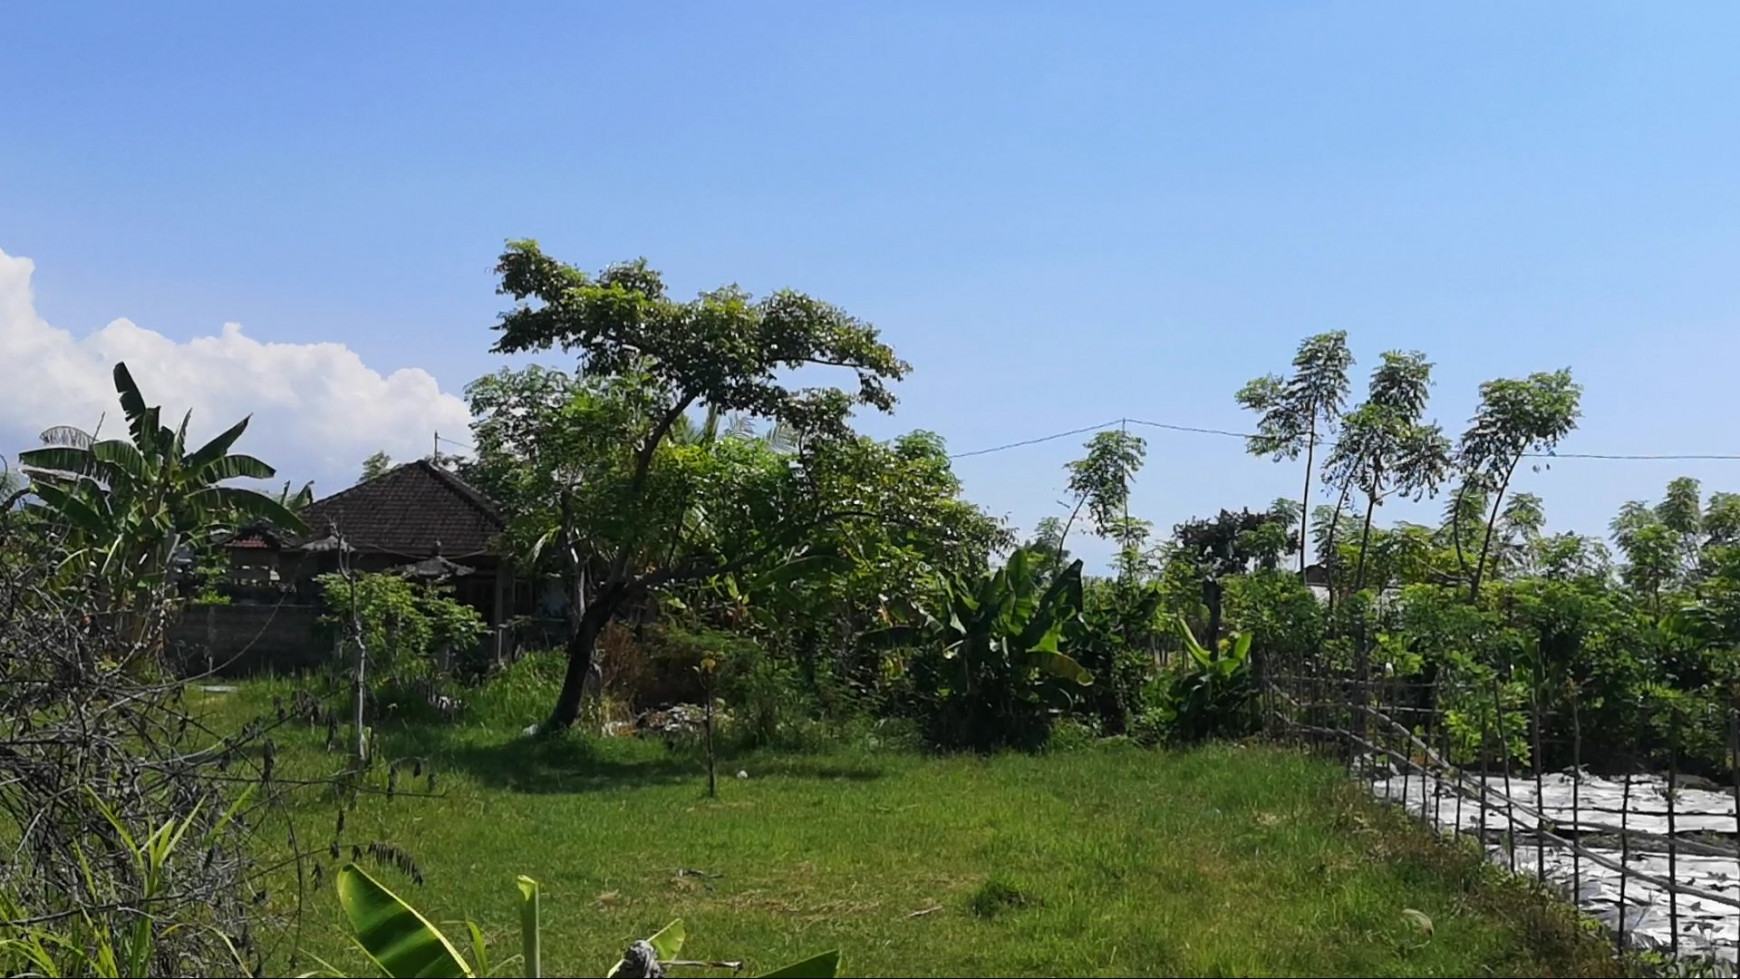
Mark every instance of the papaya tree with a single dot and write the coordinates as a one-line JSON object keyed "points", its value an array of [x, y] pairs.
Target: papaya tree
{"points": [[1101, 482], [639, 512]]}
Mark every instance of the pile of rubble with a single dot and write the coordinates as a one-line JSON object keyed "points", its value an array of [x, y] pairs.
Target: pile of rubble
{"points": [[675, 721]]}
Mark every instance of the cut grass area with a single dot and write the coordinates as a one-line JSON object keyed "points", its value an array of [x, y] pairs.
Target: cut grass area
{"points": [[1104, 861]]}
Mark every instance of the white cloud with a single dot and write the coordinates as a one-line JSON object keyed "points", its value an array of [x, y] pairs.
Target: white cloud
{"points": [[317, 409]]}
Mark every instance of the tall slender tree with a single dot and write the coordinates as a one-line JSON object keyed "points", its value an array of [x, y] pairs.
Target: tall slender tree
{"points": [[1516, 417], [1384, 447], [1298, 411], [1100, 482]]}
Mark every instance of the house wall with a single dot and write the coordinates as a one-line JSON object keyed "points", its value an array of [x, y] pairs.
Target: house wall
{"points": [[239, 640]]}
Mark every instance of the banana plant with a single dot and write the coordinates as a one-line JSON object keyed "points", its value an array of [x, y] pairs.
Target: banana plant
{"points": [[990, 660], [130, 504], [1211, 696], [403, 944]]}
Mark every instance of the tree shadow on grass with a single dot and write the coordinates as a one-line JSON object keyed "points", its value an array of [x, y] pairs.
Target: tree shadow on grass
{"points": [[811, 768], [547, 766], [568, 764]]}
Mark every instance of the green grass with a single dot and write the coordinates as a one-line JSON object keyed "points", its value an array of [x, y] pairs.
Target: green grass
{"points": [[1104, 861]]}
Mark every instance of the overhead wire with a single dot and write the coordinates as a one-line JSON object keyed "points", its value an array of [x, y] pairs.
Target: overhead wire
{"points": [[1227, 433], [1035, 441]]}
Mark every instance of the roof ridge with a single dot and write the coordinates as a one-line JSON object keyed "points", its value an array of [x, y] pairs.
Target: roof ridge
{"points": [[464, 491]]}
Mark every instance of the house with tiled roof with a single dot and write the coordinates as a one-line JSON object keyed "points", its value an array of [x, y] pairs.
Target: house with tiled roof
{"points": [[418, 519]]}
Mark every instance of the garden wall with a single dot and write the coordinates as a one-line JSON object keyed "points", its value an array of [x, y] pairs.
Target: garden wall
{"points": [[241, 640]]}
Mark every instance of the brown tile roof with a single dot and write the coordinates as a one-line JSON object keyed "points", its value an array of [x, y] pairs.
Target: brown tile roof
{"points": [[255, 537], [407, 511]]}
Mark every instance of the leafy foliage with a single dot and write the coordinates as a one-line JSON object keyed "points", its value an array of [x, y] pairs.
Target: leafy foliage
{"points": [[131, 817], [130, 507], [987, 667], [376, 465], [1212, 692], [634, 511], [415, 633], [403, 943]]}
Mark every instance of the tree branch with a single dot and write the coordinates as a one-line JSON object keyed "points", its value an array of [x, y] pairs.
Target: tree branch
{"points": [[664, 576], [642, 465], [643, 458]]}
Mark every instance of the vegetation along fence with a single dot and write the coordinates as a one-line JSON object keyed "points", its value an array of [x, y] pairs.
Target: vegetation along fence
{"points": [[1648, 849]]}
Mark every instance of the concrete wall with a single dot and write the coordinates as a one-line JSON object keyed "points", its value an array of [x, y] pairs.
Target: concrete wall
{"points": [[237, 640]]}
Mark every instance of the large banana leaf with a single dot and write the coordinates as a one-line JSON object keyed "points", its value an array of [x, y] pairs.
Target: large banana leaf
{"points": [[1191, 645], [133, 404], [73, 507], [666, 945], [60, 459], [247, 503], [68, 435], [401, 941], [214, 450], [122, 456], [1066, 667], [233, 467], [823, 966], [1062, 599], [178, 446], [301, 498]]}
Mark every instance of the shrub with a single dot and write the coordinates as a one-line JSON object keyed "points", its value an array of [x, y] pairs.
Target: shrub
{"points": [[1210, 693], [128, 822], [987, 672], [416, 635]]}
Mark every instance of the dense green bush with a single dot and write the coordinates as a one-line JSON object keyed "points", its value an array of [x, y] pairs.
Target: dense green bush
{"points": [[416, 635], [986, 669], [1210, 692]]}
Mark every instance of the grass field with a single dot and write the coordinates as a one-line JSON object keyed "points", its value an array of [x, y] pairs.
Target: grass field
{"points": [[1105, 860]]}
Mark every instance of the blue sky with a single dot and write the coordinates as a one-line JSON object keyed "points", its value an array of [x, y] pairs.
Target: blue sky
{"points": [[1058, 218]]}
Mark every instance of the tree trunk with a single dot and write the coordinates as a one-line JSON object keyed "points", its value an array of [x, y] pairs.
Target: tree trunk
{"points": [[1491, 522], [1329, 559], [1305, 497], [1211, 595], [582, 653], [1364, 544]]}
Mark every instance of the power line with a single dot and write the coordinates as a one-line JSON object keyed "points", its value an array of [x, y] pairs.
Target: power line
{"points": [[1035, 441], [1226, 433], [1190, 428], [439, 438], [1689, 457]]}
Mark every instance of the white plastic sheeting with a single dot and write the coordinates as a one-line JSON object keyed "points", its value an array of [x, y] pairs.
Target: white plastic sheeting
{"points": [[1706, 928]]}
